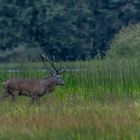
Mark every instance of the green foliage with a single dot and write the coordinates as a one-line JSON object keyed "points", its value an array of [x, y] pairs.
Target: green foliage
{"points": [[126, 44], [64, 27]]}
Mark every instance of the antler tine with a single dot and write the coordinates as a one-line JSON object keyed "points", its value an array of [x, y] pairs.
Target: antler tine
{"points": [[43, 59], [51, 62], [54, 70], [63, 70]]}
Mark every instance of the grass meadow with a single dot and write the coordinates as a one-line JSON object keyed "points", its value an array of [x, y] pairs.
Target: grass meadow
{"points": [[100, 101]]}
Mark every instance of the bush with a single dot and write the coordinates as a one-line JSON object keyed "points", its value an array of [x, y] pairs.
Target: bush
{"points": [[20, 54], [126, 44]]}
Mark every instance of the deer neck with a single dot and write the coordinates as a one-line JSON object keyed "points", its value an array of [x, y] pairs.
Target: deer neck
{"points": [[48, 84], [49, 81]]}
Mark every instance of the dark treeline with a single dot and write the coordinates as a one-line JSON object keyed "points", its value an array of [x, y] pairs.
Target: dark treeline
{"points": [[68, 29]]}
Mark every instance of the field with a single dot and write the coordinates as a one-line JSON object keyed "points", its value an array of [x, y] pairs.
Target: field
{"points": [[100, 101]]}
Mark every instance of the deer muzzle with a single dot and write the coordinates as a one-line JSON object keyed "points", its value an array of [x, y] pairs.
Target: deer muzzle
{"points": [[62, 82]]}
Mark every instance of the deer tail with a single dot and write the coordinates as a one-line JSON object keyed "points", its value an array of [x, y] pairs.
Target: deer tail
{"points": [[4, 84]]}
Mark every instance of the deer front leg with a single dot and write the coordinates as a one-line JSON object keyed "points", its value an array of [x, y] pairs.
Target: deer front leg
{"points": [[34, 99], [14, 95]]}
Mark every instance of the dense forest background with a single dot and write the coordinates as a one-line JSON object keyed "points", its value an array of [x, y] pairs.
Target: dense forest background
{"points": [[67, 29]]}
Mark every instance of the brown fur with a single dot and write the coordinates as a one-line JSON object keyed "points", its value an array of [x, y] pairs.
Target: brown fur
{"points": [[30, 87]]}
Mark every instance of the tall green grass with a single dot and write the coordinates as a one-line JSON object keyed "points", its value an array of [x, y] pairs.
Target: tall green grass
{"points": [[100, 100], [120, 77]]}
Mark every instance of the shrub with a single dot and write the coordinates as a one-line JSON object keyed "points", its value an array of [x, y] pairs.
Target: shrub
{"points": [[20, 54], [126, 44]]}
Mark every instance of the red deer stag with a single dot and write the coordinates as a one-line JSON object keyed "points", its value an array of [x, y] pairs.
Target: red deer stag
{"points": [[32, 87]]}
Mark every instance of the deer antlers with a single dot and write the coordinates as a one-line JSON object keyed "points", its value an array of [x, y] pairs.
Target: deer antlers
{"points": [[54, 70]]}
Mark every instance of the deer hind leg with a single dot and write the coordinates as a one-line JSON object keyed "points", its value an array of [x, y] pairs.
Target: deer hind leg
{"points": [[4, 95], [34, 99]]}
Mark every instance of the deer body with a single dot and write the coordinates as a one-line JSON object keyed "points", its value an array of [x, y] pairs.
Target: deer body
{"points": [[30, 87]]}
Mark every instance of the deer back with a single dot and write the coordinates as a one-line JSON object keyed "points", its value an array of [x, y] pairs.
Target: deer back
{"points": [[22, 84]]}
